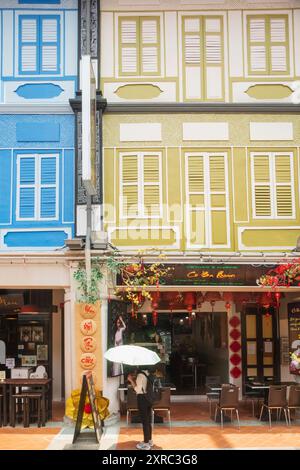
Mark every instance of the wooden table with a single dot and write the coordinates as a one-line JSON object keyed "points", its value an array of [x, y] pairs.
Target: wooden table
{"points": [[12, 384]]}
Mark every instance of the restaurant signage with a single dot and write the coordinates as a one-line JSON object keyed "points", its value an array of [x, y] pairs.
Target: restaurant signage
{"points": [[211, 275], [294, 325], [11, 303]]}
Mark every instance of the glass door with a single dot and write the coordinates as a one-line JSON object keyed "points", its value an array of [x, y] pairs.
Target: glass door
{"points": [[259, 344]]}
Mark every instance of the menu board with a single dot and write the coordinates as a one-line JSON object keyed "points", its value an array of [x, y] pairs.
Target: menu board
{"points": [[294, 324], [88, 387]]}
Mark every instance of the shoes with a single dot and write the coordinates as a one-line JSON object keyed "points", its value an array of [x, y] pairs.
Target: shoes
{"points": [[143, 446], [151, 443]]}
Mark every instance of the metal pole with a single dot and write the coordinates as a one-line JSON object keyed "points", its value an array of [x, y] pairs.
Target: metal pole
{"points": [[88, 196]]}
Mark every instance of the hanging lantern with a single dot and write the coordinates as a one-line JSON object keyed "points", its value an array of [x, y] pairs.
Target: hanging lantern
{"points": [[154, 317], [155, 298], [228, 298], [277, 297], [132, 310], [266, 299], [189, 301]]}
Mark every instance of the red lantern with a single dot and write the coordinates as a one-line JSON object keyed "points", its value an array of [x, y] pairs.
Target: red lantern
{"points": [[235, 372], [266, 299], [235, 334], [234, 321], [235, 346], [235, 359], [277, 297], [154, 317]]}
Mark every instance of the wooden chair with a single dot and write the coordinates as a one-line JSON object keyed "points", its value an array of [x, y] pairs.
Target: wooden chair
{"points": [[25, 400], [212, 397], [131, 404], [293, 400], [164, 404], [276, 401], [229, 401]]}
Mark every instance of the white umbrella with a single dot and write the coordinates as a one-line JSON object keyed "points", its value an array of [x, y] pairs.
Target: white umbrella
{"points": [[132, 355]]}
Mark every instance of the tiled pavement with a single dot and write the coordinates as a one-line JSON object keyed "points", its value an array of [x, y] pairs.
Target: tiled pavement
{"points": [[191, 428]]}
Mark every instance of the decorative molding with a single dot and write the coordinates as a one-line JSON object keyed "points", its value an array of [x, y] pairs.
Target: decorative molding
{"points": [[27, 108], [271, 131], [36, 91], [205, 131], [143, 108], [140, 132], [139, 91], [269, 91]]}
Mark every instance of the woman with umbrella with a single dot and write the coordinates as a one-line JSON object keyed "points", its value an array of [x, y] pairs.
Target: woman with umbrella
{"points": [[139, 385]]}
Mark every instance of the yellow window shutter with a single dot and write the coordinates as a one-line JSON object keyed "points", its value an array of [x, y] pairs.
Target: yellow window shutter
{"points": [[196, 173], [217, 173], [130, 185], [284, 195], [149, 46], [262, 187], [151, 185], [278, 45], [257, 45], [128, 46]]}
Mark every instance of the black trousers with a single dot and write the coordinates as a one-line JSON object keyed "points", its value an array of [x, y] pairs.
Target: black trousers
{"points": [[145, 413]]}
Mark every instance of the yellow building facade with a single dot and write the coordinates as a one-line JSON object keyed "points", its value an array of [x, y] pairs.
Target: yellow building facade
{"points": [[201, 138]]}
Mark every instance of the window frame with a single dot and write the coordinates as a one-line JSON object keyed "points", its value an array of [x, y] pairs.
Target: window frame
{"points": [[273, 185], [268, 43], [207, 202], [38, 186], [39, 44], [140, 185], [139, 44]]}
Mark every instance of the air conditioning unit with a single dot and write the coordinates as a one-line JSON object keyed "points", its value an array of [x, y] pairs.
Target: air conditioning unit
{"points": [[99, 240], [75, 243]]}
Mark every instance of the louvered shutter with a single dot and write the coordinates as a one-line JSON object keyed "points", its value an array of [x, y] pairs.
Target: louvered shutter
{"points": [[48, 188], [130, 186], [28, 40], [278, 45], [49, 46], [149, 31], [262, 186], [213, 58], [27, 187], [151, 185], [284, 190], [192, 57], [257, 45], [128, 47], [196, 200], [218, 200]]}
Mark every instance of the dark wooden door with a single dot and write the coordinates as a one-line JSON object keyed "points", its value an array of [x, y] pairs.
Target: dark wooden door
{"points": [[260, 353]]}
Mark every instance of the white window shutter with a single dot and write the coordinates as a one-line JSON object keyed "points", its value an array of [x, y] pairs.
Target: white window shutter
{"points": [[278, 46], [49, 45], [29, 51], [149, 40], [258, 54], [129, 60]]}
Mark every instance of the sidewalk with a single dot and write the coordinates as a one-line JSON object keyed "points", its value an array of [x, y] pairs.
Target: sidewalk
{"points": [[191, 428]]}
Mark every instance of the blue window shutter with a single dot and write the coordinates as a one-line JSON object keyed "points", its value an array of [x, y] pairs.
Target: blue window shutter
{"points": [[50, 45], [27, 198], [28, 45], [27, 170], [27, 194], [48, 203], [68, 186], [48, 170], [48, 188]]}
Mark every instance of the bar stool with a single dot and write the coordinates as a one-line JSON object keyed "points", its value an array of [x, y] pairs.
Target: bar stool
{"points": [[32, 397], [20, 398]]}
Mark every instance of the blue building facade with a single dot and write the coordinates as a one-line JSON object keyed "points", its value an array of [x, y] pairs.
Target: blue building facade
{"points": [[38, 76]]}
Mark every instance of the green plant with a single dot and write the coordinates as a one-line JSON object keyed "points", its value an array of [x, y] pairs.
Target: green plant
{"points": [[90, 292]]}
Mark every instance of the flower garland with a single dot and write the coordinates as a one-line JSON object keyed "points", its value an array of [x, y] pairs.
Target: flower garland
{"points": [[283, 275], [137, 277]]}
